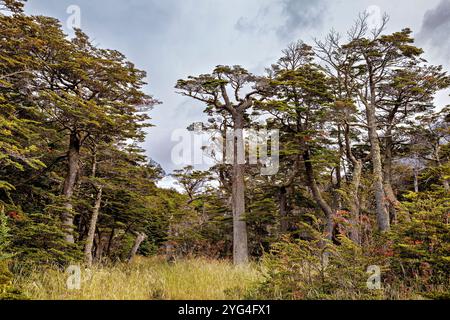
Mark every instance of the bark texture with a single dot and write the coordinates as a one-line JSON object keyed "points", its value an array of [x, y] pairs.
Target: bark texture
{"points": [[69, 187], [92, 226], [140, 237], [317, 194], [240, 241], [378, 187]]}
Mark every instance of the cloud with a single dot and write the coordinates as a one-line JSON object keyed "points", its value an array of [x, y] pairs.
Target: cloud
{"points": [[260, 23], [284, 18], [435, 28], [304, 14]]}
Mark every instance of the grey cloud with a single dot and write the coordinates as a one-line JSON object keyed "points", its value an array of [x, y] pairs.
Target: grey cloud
{"points": [[301, 14], [245, 25], [435, 28], [284, 17], [257, 24]]}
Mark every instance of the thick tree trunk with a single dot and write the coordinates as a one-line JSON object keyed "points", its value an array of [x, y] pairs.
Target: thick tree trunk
{"points": [[69, 186], [240, 241], [317, 194], [140, 237], [92, 226], [378, 187]]}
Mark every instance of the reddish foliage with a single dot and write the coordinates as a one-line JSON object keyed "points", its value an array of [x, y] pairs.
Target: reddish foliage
{"points": [[16, 216]]}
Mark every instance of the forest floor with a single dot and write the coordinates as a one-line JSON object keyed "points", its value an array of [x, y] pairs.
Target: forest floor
{"points": [[145, 279]]}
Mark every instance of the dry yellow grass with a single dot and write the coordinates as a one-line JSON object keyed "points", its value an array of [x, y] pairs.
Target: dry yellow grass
{"points": [[146, 279]]}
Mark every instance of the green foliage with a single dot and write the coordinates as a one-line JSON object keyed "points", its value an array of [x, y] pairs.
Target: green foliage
{"points": [[4, 234], [316, 269], [7, 291], [38, 239], [413, 258], [422, 245]]}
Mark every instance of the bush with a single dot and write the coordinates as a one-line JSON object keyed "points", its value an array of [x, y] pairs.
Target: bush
{"points": [[38, 240], [414, 259], [316, 269], [422, 245], [4, 237], [7, 291]]}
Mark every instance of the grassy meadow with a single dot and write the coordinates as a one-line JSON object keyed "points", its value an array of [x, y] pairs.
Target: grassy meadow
{"points": [[145, 279]]}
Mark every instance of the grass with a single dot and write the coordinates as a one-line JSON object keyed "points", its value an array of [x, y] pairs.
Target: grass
{"points": [[145, 279]]}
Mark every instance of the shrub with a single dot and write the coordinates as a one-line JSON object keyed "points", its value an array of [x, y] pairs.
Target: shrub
{"points": [[316, 269], [38, 240], [422, 245], [7, 291]]}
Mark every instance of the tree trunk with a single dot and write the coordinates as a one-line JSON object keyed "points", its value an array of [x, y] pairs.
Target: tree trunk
{"points": [[355, 206], [445, 182], [389, 191], [102, 239], [240, 242], [317, 195], [378, 187], [416, 178], [354, 194], [140, 237], [69, 186], [446, 185], [92, 227], [110, 241], [284, 225]]}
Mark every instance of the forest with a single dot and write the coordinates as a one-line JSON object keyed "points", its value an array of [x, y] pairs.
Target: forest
{"points": [[359, 207]]}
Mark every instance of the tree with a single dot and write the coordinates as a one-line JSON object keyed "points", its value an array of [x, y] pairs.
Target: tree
{"points": [[300, 108], [85, 91], [367, 62], [356, 155], [409, 94], [19, 124], [192, 181], [429, 141], [422, 253], [61, 99], [121, 186], [222, 92]]}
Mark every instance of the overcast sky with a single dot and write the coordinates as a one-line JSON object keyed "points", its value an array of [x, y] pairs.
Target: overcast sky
{"points": [[172, 39]]}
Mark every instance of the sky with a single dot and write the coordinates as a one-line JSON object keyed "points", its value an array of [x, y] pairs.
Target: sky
{"points": [[172, 39]]}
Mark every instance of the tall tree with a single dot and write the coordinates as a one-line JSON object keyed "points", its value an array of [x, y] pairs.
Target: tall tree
{"points": [[223, 91], [367, 62], [19, 121], [408, 94], [84, 90], [192, 181], [300, 107]]}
